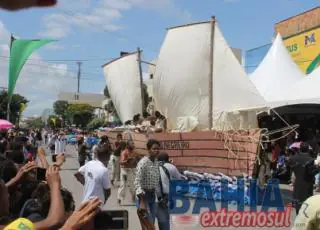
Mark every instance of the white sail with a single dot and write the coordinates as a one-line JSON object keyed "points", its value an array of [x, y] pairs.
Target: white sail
{"points": [[123, 82], [181, 79], [182, 73]]}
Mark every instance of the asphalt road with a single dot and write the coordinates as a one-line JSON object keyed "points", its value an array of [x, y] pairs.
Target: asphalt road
{"points": [[69, 182]]}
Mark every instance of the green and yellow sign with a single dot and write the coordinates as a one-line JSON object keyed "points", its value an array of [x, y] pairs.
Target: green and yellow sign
{"points": [[305, 50]]}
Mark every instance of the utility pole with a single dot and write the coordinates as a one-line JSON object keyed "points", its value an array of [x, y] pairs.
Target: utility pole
{"points": [[141, 80], [79, 75], [210, 89]]}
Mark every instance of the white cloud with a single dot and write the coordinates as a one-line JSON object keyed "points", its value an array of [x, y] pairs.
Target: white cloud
{"points": [[54, 46], [39, 81], [103, 15]]}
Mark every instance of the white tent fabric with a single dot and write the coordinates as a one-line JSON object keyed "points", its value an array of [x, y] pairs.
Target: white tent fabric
{"points": [[181, 78], [123, 81], [304, 91], [276, 73]]}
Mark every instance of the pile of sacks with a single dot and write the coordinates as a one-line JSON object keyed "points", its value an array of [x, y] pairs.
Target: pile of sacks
{"points": [[197, 182]]}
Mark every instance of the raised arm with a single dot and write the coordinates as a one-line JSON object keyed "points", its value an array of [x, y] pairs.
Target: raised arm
{"points": [[23, 171], [80, 174], [42, 158], [56, 213]]}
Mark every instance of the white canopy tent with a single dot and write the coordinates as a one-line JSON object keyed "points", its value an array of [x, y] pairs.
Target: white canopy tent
{"points": [[304, 91], [276, 73]]}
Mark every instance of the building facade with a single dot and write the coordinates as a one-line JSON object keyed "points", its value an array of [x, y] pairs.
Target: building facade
{"points": [[301, 36], [93, 99]]}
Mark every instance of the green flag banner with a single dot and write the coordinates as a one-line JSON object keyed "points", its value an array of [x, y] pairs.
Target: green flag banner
{"points": [[20, 51]]}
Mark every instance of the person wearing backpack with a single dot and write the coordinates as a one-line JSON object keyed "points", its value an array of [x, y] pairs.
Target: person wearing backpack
{"points": [[168, 172], [304, 168]]}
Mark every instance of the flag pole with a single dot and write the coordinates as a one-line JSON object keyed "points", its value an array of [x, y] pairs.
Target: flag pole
{"points": [[9, 96]]}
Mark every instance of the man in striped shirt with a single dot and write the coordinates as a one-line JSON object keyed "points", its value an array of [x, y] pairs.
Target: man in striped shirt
{"points": [[146, 182]]}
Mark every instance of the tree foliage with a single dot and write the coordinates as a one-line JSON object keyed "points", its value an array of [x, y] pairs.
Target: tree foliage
{"points": [[15, 106], [80, 114], [146, 96], [60, 108], [54, 122], [34, 123], [95, 123], [106, 92]]}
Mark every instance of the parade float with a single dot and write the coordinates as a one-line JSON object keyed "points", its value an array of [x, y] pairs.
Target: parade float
{"points": [[209, 102]]}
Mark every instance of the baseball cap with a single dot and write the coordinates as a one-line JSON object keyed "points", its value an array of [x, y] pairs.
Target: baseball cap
{"points": [[20, 224], [309, 215]]}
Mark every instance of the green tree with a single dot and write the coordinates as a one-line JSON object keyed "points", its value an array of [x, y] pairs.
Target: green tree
{"points": [[34, 123], [106, 92], [54, 122], [95, 123], [15, 106], [145, 96], [60, 108], [80, 114]]}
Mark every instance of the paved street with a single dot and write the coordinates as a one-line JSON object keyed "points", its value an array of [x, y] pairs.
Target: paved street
{"points": [[68, 181]]}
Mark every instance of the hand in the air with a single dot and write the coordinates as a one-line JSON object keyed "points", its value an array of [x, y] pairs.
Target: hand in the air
{"points": [[23, 4], [24, 170], [83, 215], [53, 176]]}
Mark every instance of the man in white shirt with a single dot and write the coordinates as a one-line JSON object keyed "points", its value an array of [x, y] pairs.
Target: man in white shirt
{"points": [[94, 175], [60, 146]]}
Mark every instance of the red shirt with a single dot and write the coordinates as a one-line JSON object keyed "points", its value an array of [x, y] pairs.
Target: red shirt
{"points": [[124, 157]]}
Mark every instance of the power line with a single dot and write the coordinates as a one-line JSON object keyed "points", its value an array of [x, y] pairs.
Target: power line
{"points": [[59, 68], [66, 60], [60, 76]]}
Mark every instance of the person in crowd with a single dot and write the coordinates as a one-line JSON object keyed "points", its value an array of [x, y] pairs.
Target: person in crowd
{"points": [[37, 208], [308, 217], [30, 155], [45, 135], [55, 217], [161, 123], [52, 146], [104, 142], [84, 216], [38, 138], [94, 176], [116, 159], [276, 150], [60, 145], [146, 121], [82, 152], [146, 182], [167, 172], [151, 129], [15, 153], [127, 123], [136, 121], [304, 169], [128, 163], [3, 142]]}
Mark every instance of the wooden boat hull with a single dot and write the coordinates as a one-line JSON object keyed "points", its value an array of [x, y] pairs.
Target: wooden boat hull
{"points": [[231, 153]]}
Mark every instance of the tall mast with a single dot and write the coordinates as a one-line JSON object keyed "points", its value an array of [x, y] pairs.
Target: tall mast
{"points": [[210, 77], [141, 80]]}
